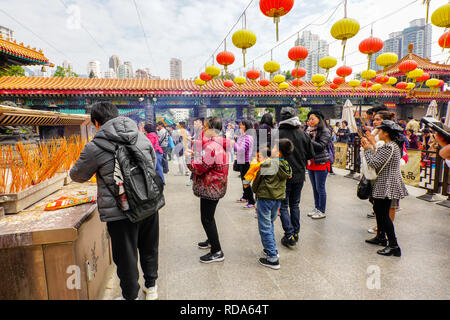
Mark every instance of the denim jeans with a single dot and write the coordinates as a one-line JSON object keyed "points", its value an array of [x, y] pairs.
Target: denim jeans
{"points": [[318, 181], [291, 222], [159, 165], [267, 214]]}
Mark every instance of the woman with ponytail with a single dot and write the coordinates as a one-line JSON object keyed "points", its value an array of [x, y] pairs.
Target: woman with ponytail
{"points": [[389, 184]]}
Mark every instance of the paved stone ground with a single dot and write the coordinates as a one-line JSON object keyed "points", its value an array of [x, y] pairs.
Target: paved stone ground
{"points": [[331, 260]]}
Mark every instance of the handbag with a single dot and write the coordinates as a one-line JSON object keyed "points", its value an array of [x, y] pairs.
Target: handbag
{"points": [[368, 172], [365, 186]]}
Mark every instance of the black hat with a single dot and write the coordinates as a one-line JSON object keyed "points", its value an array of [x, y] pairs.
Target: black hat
{"points": [[287, 113], [390, 126], [317, 113]]}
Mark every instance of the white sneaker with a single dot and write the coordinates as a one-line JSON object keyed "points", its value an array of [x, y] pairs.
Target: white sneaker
{"points": [[372, 230], [313, 212], [319, 215], [151, 293]]}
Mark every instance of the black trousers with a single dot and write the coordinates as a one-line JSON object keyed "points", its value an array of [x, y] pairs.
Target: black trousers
{"points": [[248, 192], [385, 225], [207, 211], [126, 239]]}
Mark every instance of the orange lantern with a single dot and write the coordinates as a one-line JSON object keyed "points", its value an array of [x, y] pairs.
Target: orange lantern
{"points": [[225, 58], [253, 74], [228, 84], [264, 83], [298, 73], [344, 71], [370, 46]]}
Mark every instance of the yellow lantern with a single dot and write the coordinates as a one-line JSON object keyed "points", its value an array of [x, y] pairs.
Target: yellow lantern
{"points": [[386, 60], [415, 74], [200, 83], [343, 30], [441, 16], [319, 84], [368, 74], [432, 84], [283, 86], [279, 79], [318, 78], [240, 81], [354, 84], [212, 71], [327, 63], [410, 86], [391, 81], [377, 87], [271, 67], [244, 39]]}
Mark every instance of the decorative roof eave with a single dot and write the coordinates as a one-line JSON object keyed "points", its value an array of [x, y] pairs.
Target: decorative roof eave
{"points": [[22, 54], [424, 64]]}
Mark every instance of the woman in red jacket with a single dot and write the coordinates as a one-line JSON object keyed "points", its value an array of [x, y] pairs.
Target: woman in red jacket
{"points": [[210, 170]]}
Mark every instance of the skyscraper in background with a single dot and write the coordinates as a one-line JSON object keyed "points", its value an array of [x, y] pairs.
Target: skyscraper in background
{"points": [[317, 49], [110, 74], [130, 69], [418, 33], [175, 68], [94, 67], [114, 63], [67, 65]]}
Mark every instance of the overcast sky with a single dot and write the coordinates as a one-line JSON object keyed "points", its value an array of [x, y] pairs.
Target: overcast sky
{"points": [[191, 29]]}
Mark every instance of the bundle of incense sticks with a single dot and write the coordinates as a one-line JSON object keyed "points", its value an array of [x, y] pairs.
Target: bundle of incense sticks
{"points": [[22, 166]]}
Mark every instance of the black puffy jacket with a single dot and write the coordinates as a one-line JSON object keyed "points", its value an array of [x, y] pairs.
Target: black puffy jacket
{"points": [[320, 144], [94, 159], [303, 148]]}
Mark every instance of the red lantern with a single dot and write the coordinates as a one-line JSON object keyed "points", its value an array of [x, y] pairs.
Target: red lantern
{"points": [[382, 79], [334, 86], [298, 72], [298, 54], [407, 66], [225, 58], [253, 74], [441, 83], [370, 46], [344, 71], [264, 83], [297, 82], [402, 85], [424, 77], [228, 84], [275, 9], [338, 81], [444, 41], [366, 84], [205, 77]]}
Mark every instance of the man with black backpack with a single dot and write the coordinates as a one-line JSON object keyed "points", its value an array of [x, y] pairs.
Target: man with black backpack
{"points": [[130, 193]]}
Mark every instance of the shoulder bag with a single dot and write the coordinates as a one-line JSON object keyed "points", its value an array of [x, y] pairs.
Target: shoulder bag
{"points": [[364, 190]]}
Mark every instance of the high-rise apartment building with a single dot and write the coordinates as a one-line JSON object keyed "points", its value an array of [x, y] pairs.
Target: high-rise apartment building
{"points": [[142, 74], [418, 33], [94, 67], [6, 33], [67, 65], [124, 72], [317, 50], [175, 68], [110, 74], [130, 69], [114, 63]]}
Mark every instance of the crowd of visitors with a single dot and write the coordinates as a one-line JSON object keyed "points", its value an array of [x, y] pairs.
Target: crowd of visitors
{"points": [[272, 160]]}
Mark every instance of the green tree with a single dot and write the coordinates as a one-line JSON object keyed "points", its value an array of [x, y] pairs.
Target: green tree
{"points": [[230, 76], [64, 73], [358, 76], [288, 75], [91, 74], [12, 70], [303, 113]]}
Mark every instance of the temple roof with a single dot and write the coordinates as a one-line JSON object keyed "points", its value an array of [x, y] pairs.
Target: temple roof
{"points": [[425, 64], [21, 54], [14, 85]]}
